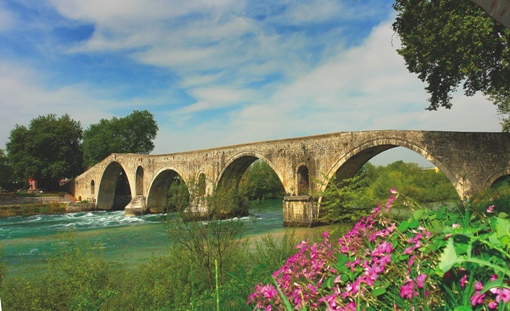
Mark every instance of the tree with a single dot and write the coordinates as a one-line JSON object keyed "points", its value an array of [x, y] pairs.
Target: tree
{"points": [[262, 182], [217, 241], [48, 150], [5, 171], [450, 42], [134, 133]]}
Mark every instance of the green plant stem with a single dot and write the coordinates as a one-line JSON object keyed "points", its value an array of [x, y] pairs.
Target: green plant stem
{"points": [[288, 307], [217, 287], [192, 286]]}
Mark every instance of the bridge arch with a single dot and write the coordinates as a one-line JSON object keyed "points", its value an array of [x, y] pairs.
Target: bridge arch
{"points": [[139, 180], [114, 190], [303, 179], [496, 176], [92, 187], [202, 188], [350, 163], [233, 171], [158, 189]]}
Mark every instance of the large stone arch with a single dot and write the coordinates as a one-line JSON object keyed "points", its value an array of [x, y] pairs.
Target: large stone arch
{"points": [[495, 176], [231, 174], [107, 196], [348, 164], [156, 197]]}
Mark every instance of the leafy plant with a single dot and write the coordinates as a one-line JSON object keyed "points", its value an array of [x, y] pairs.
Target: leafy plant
{"points": [[435, 259]]}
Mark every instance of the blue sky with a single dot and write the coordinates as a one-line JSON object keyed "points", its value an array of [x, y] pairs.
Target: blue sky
{"points": [[218, 73]]}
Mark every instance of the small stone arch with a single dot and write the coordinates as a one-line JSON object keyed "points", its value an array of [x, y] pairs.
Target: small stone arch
{"points": [[303, 179], [201, 185], [92, 187], [139, 180]]}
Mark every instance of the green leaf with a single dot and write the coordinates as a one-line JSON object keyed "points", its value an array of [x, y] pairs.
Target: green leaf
{"points": [[502, 227], [463, 308], [378, 291], [502, 215], [414, 224], [341, 261], [417, 215], [403, 226], [448, 257]]}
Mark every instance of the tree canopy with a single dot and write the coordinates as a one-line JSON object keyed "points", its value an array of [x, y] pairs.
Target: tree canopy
{"points": [[5, 171], [134, 133], [449, 43], [261, 182], [48, 150]]}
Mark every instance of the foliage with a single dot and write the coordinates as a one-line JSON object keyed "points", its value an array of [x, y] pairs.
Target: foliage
{"points": [[178, 196], [449, 42], [350, 199], [134, 133], [261, 182], [5, 171], [437, 259], [345, 201], [498, 195], [216, 238], [48, 150], [423, 186]]}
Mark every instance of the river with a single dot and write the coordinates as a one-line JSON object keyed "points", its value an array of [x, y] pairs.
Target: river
{"points": [[27, 239]]}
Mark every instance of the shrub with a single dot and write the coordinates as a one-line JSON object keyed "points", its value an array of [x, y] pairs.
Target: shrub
{"points": [[433, 260]]}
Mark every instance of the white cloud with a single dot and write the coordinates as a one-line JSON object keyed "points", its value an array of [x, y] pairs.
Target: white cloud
{"points": [[363, 88], [6, 19]]}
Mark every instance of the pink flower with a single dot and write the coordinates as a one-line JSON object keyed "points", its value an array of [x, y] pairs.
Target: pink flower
{"points": [[420, 280], [493, 305], [455, 226], [394, 190], [494, 277], [463, 281], [490, 209], [407, 291], [477, 298], [503, 294], [478, 285]]}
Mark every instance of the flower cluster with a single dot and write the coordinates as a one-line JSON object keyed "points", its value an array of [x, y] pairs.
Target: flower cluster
{"points": [[493, 298], [337, 277], [384, 265]]}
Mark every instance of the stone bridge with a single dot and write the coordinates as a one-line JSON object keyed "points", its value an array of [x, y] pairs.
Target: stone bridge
{"points": [[471, 161]]}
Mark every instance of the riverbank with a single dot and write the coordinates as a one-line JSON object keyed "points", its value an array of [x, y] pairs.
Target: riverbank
{"points": [[38, 203]]}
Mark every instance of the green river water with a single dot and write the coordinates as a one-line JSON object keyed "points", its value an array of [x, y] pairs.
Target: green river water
{"points": [[129, 239]]}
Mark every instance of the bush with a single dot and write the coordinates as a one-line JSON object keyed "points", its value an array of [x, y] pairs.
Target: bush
{"points": [[435, 260]]}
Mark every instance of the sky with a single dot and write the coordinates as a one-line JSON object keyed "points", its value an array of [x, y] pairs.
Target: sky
{"points": [[219, 72]]}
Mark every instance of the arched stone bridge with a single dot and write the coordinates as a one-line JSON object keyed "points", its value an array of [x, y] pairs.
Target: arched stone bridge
{"points": [[471, 161]]}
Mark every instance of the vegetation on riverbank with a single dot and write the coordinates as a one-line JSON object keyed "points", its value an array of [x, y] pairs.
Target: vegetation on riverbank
{"points": [[212, 267]]}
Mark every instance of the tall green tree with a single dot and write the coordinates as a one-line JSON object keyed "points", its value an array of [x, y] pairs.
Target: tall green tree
{"points": [[48, 150], [261, 182], [449, 43], [134, 133], [5, 171]]}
